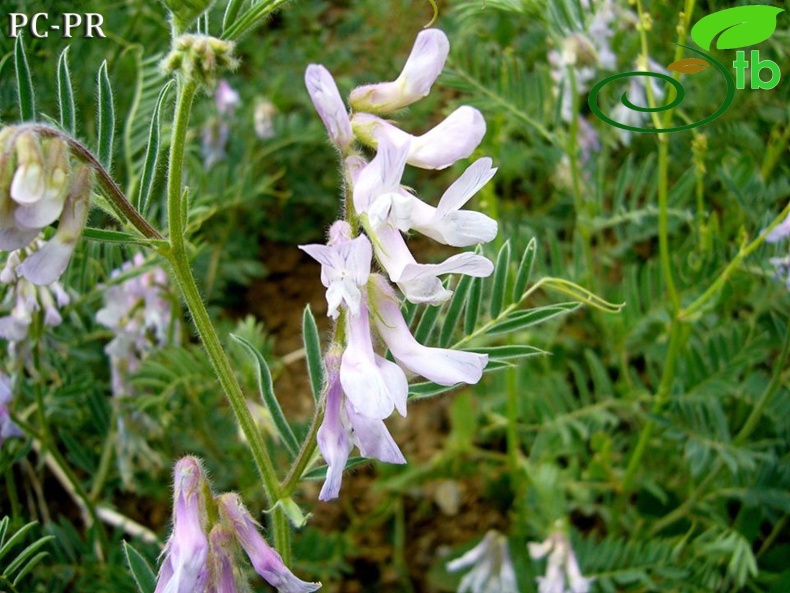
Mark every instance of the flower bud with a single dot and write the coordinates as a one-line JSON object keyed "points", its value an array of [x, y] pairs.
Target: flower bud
{"points": [[200, 58]]}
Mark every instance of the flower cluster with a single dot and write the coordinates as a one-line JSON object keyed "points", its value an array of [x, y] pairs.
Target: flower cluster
{"points": [[562, 568], [139, 313], [38, 187], [492, 569], [364, 387], [201, 556]]}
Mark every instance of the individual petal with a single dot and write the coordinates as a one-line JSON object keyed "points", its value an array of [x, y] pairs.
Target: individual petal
{"points": [[372, 384], [382, 175], [456, 137], [222, 576], [47, 264], [423, 67], [420, 282], [12, 236], [373, 438], [329, 105], [442, 366], [46, 210], [265, 560], [468, 184], [333, 438], [28, 185]]}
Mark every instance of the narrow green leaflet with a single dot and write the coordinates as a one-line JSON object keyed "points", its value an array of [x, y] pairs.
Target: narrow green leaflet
{"points": [[266, 388], [525, 269], [509, 352], [473, 306], [231, 12], [312, 350], [105, 123], [500, 280], [151, 153], [141, 571], [427, 322], [24, 83], [66, 94], [518, 320], [454, 310]]}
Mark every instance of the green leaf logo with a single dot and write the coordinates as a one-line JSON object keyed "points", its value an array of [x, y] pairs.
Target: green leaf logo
{"points": [[739, 27]]}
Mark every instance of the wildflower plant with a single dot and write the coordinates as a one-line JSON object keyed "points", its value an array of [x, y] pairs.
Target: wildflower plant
{"points": [[463, 213]]}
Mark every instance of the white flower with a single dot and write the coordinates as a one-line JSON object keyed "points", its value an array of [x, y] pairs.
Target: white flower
{"points": [[454, 138], [561, 567], [492, 569], [345, 266], [423, 67]]}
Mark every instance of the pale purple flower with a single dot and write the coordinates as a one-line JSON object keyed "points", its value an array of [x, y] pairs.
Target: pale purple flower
{"points": [[384, 208], [422, 68], [226, 99], [455, 138], [7, 427], [440, 365], [221, 571], [343, 427], [780, 231], [264, 559], [48, 263], [38, 190], [345, 267], [447, 223], [374, 385], [184, 567], [329, 105], [637, 94], [492, 569], [562, 569]]}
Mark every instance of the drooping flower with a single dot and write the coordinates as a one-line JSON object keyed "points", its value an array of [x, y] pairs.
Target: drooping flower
{"points": [[264, 559], [343, 427], [37, 187], [454, 138], [184, 567], [562, 569], [421, 70], [440, 365], [384, 209], [492, 569], [329, 105]]}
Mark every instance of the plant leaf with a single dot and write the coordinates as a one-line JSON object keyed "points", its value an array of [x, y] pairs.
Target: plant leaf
{"points": [[24, 82], [105, 118], [739, 27], [688, 65], [266, 389], [312, 350], [500, 280], [151, 153], [141, 571], [66, 94]]}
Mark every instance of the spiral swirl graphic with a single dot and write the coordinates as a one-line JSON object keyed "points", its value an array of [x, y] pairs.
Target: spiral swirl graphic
{"points": [[592, 100]]}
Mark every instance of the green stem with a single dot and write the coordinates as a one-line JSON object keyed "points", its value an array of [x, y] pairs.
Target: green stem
{"points": [[106, 457], [695, 307], [179, 260], [663, 222], [282, 535], [303, 457]]}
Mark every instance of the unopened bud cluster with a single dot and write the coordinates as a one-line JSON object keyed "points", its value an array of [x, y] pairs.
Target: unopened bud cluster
{"points": [[200, 58], [39, 186], [202, 554]]}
